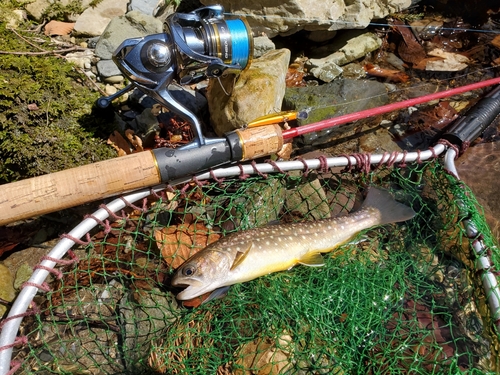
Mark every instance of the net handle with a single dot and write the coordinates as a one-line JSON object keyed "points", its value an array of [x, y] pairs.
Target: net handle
{"points": [[24, 299]]}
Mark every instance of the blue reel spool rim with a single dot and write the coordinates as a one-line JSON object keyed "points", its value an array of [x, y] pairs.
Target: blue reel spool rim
{"points": [[241, 42]]}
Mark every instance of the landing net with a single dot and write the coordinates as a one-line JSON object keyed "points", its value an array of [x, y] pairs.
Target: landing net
{"points": [[401, 299]]}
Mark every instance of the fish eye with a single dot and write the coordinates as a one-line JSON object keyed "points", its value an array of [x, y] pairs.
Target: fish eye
{"points": [[189, 271]]}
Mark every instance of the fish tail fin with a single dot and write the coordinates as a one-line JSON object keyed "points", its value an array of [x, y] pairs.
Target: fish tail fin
{"points": [[390, 210]]}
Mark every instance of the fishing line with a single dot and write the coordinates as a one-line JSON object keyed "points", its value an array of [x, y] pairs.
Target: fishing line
{"points": [[357, 25]]}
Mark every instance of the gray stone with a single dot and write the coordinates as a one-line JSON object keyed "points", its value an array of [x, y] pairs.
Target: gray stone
{"points": [[94, 20], [149, 7], [107, 68], [350, 47], [258, 91], [262, 44], [333, 99], [132, 25], [289, 16]]}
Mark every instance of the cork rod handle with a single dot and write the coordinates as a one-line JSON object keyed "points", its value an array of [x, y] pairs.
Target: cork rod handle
{"points": [[68, 188]]}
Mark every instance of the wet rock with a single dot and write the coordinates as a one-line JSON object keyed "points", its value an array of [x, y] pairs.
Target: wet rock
{"points": [[287, 17], [377, 141], [146, 123], [7, 291], [308, 199], [94, 20], [331, 100], [144, 315], [262, 44], [261, 204], [131, 25], [478, 167], [351, 46], [258, 91]]}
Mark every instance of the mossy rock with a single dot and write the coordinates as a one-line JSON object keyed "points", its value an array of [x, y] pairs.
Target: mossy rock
{"points": [[46, 118]]}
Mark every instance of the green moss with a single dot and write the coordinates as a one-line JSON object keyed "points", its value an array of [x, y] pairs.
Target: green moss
{"points": [[46, 119]]}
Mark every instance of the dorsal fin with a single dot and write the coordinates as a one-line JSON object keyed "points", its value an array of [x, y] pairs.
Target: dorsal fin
{"points": [[312, 260], [240, 257]]}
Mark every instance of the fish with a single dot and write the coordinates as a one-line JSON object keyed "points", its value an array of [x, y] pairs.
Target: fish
{"points": [[243, 256]]}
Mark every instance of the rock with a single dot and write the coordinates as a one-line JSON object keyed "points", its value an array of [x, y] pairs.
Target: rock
{"points": [[82, 59], [287, 17], [143, 315], [261, 45], [15, 17], [114, 80], [258, 91], [351, 46], [377, 141], [131, 25], [483, 157], [191, 99], [23, 274], [150, 7], [108, 68], [7, 291], [39, 9], [331, 100], [320, 36], [308, 199], [94, 20]]}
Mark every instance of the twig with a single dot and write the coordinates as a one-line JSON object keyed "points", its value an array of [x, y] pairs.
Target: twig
{"points": [[54, 52], [42, 50]]}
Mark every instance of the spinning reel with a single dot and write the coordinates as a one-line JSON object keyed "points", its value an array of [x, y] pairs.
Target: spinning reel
{"points": [[194, 46]]}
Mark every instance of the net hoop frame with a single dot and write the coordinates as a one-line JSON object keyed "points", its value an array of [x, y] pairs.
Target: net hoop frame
{"points": [[23, 302]]}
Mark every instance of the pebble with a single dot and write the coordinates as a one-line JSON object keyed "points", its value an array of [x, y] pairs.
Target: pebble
{"points": [[110, 90], [114, 79]]}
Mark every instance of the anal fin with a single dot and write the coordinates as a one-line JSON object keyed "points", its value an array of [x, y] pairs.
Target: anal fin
{"points": [[312, 260]]}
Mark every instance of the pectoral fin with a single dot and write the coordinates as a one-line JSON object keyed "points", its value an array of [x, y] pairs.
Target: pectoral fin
{"points": [[312, 260], [217, 294], [240, 257]]}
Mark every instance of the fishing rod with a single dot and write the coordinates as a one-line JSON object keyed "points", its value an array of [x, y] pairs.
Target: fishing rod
{"points": [[153, 63]]}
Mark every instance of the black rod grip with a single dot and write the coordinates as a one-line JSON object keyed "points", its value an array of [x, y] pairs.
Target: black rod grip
{"points": [[476, 120]]}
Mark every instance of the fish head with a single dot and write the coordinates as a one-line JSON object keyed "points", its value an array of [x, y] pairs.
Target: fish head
{"points": [[202, 273]]}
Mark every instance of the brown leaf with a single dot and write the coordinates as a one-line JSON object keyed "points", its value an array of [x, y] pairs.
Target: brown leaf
{"points": [[496, 42], [119, 143], [409, 49], [295, 76], [59, 28], [178, 243], [389, 74]]}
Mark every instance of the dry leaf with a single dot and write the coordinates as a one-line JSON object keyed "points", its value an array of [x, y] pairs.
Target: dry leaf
{"points": [[119, 143], [450, 62], [134, 140], [496, 41], [263, 357], [59, 28], [178, 243], [389, 74]]}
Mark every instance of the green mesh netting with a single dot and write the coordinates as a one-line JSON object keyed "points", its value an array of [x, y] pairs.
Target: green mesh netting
{"points": [[402, 299]]}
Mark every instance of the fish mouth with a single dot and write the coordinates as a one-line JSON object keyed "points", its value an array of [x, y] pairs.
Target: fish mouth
{"points": [[193, 288], [192, 291]]}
